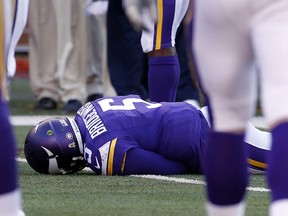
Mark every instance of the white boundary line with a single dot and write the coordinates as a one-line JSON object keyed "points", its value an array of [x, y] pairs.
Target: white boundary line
{"points": [[174, 179]]}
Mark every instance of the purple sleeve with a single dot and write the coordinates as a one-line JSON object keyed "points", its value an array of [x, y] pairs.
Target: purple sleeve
{"points": [[140, 161]]}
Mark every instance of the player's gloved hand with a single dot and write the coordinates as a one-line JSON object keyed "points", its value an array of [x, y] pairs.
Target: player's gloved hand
{"points": [[135, 9]]}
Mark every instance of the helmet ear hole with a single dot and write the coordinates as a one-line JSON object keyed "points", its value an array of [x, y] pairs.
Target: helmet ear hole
{"points": [[52, 145]]}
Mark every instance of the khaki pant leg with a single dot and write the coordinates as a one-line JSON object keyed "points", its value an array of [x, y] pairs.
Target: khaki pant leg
{"points": [[95, 56], [73, 76], [98, 79], [42, 49]]}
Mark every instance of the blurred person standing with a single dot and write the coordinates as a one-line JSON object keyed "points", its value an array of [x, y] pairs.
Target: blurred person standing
{"points": [[57, 55], [230, 38], [98, 79], [126, 61], [12, 22]]}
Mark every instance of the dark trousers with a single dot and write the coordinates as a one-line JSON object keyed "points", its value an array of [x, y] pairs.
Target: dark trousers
{"points": [[126, 60]]}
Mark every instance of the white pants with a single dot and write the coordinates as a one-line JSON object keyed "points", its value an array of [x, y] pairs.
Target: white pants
{"points": [[234, 42]]}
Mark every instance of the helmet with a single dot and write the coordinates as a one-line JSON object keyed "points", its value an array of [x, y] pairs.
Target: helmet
{"points": [[55, 146]]}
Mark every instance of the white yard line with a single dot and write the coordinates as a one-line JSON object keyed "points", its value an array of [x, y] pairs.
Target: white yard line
{"points": [[191, 181], [29, 120], [173, 179]]}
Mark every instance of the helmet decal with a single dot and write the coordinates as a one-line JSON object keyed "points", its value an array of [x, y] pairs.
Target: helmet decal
{"points": [[49, 132], [36, 128], [77, 134], [53, 165], [69, 136], [72, 145]]}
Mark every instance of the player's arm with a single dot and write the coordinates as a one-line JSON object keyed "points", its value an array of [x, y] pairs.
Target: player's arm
{"points": [[140, 161]]}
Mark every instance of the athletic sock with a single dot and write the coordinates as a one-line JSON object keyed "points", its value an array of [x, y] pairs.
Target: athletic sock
{"points": [[277, 173], [225, 169], [163, 78]]}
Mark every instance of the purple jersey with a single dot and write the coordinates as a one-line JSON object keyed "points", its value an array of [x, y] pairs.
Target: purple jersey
{"points": [[112, 126]]}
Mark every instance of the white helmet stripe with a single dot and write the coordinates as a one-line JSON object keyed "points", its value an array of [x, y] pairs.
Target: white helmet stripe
{"points": [[77, 134]]}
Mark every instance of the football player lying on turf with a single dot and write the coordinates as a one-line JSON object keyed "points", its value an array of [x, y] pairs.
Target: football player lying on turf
{"points": [[126, 135]]}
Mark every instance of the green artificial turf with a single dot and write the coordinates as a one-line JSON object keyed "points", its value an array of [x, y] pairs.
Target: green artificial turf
{"points": [[87, 194]]}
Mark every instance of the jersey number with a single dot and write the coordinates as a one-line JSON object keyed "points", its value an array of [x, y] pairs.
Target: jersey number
{"points": [[128, 104], [88, 157]]}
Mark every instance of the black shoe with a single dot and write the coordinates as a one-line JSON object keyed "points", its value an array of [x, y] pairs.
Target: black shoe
{"points": [[93, 97], [72, 106], [46, 104]]}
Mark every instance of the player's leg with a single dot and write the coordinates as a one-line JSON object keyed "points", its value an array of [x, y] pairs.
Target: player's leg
{"points": [[270, 32], [141, 161], [159, 42], [10, 197], [224, 60]]}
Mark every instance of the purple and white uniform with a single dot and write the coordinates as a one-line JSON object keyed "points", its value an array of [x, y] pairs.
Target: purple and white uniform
{"points": [[111, 127], [127, 135], [162, 34]]}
